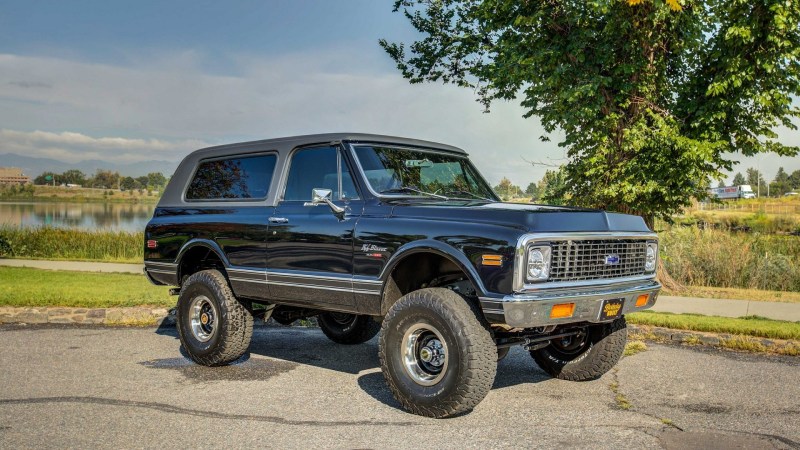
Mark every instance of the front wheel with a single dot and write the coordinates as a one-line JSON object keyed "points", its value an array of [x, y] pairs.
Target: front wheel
{"points": [[214, 328], [348, 329], [585, 356], [437, 354]]}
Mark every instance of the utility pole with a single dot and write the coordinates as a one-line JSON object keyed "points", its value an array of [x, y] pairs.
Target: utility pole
{"points": [[758, 183]]}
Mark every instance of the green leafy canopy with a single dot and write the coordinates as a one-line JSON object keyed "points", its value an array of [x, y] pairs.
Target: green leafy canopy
{"points": [[653, 97]]}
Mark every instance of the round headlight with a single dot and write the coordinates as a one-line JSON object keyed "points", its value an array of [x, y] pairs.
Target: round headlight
{"points": [[536, 264], [650, 258]]}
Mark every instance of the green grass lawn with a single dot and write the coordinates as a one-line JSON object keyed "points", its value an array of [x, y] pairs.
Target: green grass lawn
{"points": [[35, 287], [748, 326]]}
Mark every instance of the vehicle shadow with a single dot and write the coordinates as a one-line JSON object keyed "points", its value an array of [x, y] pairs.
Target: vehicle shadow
{"points": [[308, 346]]}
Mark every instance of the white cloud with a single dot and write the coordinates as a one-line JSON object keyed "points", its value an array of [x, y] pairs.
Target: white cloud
{"points": [[167, 106], [73, 147]]}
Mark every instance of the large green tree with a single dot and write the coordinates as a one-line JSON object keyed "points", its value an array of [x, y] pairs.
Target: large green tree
{"points": [[794, 179], [73, 176], [652, 97], [506, 189], [780, 185]]}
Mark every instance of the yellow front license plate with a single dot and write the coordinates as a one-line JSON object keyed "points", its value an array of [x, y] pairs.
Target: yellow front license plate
{"points": [[612, 308]]}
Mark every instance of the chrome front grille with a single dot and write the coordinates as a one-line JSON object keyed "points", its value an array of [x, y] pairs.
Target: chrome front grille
{"points": [[593, 259]]}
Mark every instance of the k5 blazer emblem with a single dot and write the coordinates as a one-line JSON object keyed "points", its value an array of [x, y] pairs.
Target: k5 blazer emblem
{"points": [[372, 248], [612, 260]]}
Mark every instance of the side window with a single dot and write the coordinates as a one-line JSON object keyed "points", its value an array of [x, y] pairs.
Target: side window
{"points": [[246, 178], [318, 167]]}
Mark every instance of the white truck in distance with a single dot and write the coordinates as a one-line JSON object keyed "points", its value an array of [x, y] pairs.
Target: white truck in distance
{"points": [[726, 192]]}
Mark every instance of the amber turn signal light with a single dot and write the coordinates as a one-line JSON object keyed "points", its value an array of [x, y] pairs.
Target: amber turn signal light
{"points": [[642, 300], [492, 260], [562, 310]]}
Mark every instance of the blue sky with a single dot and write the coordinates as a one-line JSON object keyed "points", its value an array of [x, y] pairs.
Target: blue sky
{"points": [[129, 81]]}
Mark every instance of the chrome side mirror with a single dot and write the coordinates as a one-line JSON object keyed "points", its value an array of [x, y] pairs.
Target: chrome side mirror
{"points": [[320, 196]]}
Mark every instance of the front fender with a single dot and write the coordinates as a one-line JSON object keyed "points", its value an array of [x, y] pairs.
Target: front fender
{"points": [[439, 248]]}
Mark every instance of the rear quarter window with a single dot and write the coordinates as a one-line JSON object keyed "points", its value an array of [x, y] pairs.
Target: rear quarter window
{"points": [[235, 178]]}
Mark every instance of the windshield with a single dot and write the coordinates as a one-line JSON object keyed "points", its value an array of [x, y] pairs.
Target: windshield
{"points": [[412, 172]]}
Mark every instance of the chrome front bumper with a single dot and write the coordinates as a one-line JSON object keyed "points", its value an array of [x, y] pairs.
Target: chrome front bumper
{"points": [[532, 309]]}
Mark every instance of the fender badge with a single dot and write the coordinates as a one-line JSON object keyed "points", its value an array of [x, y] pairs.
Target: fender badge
{"points": [[372, 248]]}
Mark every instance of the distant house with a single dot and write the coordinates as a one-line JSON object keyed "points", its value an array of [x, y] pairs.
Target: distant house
{"points": [[13, 175]]}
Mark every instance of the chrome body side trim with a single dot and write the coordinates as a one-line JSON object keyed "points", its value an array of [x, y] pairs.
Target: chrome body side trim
{"points": [[160, 264], [343, 283], [166, 272]]}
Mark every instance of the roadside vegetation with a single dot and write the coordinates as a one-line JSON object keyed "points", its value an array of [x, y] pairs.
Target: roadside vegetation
{"points": [[77, 194], [758, 215], [746, 326], [707, 257], [25, 287], [70, 244]]}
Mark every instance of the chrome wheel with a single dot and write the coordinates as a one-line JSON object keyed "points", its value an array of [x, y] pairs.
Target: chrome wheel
{"points": [[424, 354], [204, 317]]}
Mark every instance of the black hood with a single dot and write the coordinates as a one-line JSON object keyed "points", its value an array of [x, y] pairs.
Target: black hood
{"points": [[527, 217]]}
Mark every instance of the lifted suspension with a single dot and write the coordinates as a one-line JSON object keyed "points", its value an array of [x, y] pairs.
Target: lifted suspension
{"points": [[532, 341]]}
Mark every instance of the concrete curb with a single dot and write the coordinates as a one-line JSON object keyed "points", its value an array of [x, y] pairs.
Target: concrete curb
{"points": [[720, 340], [134, 316], [92, 316]]}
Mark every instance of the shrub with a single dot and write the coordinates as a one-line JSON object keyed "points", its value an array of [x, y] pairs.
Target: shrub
{"points": [[709, 257]]}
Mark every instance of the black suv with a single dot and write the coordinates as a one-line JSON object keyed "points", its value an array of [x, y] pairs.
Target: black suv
{"points": [[374, 233]]}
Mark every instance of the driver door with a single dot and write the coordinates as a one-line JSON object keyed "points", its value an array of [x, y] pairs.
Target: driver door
{"points": [[310, 247]]}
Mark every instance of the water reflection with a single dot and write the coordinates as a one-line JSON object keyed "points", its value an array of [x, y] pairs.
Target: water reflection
{"points": [[109, 216]]}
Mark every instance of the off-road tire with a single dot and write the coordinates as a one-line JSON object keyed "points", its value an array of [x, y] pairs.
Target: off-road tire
{"points": [[233, 327], [356, 329], [471, 353], [604, 346]]}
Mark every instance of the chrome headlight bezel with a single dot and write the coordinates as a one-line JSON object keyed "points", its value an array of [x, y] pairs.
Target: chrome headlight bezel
{"points": [[651, 257], [537, 263]]}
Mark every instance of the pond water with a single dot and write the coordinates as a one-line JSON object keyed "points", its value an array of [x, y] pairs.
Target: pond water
{"points": [[88, 216]]}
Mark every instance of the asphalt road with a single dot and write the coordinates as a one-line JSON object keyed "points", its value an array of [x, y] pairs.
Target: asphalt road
{"points": [[115, 387]]}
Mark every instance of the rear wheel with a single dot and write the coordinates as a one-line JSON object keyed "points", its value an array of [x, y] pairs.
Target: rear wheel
{"points": [[437, 354], [585, 356], [348, 329], [213, 327]]}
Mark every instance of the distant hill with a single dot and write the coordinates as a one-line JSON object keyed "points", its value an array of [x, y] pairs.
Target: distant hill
{"points": [[33, 166]]}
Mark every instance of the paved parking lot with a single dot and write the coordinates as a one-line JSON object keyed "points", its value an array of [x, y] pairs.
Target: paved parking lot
{"points": [[116, 387]]}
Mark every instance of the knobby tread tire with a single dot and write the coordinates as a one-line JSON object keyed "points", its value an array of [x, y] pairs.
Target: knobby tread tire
{"points": [[472, 348], [364, 329], [234, 328], [606, 345]]}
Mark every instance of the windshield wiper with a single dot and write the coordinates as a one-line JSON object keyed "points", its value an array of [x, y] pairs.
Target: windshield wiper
{"points": [[460, 191], [411, 189]]}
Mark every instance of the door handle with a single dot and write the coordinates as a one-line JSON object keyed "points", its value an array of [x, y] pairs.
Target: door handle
{"points": [[278, 220]]}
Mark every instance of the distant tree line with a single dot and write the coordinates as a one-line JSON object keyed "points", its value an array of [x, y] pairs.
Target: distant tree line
{"points": [[780, 185], [545, 190], [104, 179], [550, 187]]}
